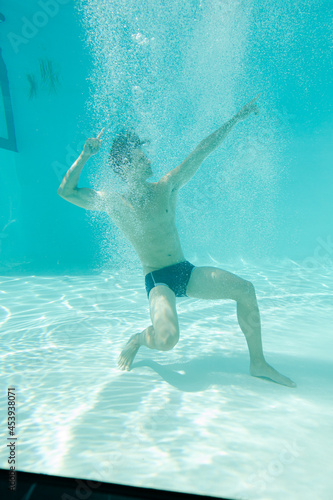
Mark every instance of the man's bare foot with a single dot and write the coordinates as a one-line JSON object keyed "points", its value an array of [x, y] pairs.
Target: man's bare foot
{"points": [[265, 370], [128, 353]]}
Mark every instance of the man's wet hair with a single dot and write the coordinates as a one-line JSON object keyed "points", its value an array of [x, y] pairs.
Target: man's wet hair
{"points": [[121, 151]]}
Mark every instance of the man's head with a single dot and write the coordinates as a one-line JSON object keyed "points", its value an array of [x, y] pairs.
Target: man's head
{"points": [[126, 157]]}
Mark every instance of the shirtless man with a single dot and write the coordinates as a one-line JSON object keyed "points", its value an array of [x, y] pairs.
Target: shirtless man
{"points": [[146, 214]]}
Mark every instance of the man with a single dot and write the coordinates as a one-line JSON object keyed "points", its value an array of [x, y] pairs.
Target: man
{"points": [[146, 214]]}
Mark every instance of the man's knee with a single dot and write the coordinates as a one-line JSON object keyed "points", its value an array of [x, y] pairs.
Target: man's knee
{"points": [[247, 291], [166, 340], [168, 344], [249, 287]]}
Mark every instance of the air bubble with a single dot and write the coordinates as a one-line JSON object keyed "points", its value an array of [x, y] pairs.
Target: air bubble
{"points": [[137, 91]]}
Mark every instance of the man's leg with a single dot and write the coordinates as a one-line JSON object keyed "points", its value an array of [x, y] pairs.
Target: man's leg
{"points": [[163, 334], [214, 283]]}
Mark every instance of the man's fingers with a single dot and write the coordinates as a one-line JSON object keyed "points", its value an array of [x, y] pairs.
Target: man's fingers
{"points": [[101, 133], [253, 100], [257, 97]]}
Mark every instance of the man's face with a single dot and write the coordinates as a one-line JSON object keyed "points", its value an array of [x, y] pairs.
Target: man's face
{"points": [[141, 165]]}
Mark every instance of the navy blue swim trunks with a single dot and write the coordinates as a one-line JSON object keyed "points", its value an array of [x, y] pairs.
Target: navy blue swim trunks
{"points": [[175, 277]]}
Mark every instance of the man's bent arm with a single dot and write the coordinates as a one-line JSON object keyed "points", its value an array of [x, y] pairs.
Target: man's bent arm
{"points": [[71, 179], [83, 197]]}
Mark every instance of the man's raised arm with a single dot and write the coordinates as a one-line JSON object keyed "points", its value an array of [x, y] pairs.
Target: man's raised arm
{"points": [[83, 197], [181, 174]]}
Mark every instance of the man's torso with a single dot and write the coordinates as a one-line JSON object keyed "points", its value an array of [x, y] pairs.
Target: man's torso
{"points": [[149, 223]]}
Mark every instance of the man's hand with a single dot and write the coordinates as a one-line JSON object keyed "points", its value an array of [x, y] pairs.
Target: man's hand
{"points": [[92, 146], [250, 107]]}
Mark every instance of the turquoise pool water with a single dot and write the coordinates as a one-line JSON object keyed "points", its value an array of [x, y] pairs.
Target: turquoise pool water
{"points": [[193, 413], [71, 287]]}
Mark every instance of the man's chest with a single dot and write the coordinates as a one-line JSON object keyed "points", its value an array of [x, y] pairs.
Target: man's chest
{"points": [[157, 209]]}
